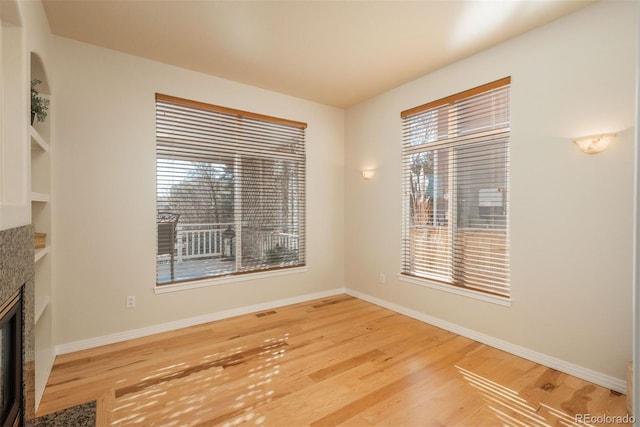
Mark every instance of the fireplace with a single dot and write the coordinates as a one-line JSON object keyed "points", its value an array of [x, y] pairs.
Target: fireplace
{"points": [[11, 361], [17, 327]]}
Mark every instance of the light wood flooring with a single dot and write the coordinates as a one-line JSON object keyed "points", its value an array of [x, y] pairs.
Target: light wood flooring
{"points": [[336, 361]]}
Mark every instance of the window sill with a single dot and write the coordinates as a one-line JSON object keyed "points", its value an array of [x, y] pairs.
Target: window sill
{"points": [[183, 286], [494, 299]]}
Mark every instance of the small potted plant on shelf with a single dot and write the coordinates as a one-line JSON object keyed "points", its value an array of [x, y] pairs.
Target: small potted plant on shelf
{"points": [[39, 104]]}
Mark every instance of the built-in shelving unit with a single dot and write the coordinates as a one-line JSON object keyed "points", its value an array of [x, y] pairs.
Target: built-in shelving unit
{"points": [[40, 190], [39, 197], [39, 253], [41, 306], [37, 141]]}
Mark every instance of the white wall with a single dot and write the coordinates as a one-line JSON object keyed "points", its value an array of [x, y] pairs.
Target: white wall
{"points": [[571, 213], [104, 189]]}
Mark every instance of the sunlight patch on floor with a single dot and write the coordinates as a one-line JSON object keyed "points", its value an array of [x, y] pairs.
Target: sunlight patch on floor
{"points": [[193, 389], [511, 408]]}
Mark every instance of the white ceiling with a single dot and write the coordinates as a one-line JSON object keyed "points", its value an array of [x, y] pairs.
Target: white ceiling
{"points": [[333, 52]]}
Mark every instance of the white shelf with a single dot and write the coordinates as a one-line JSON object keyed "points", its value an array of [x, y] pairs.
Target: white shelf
{"points": [[39, 253], [37, 141], [39, 197], [41, 306]]}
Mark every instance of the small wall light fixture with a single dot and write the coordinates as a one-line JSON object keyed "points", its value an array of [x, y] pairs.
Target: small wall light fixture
{"points": [[368, 173], [593, 144]]}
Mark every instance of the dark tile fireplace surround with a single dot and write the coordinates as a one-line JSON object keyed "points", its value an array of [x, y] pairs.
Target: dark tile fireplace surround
{"points": [[16, 271]]}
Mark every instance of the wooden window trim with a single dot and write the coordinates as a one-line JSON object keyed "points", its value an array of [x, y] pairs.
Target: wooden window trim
{"points": [[227, 110], [455, 97]]}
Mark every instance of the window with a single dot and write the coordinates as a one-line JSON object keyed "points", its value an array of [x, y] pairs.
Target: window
{"points": [[230, 191], [456, 190]]}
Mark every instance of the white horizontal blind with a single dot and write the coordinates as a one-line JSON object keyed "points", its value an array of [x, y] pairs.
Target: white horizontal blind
{"points": [[230, 191], [456, 189]]}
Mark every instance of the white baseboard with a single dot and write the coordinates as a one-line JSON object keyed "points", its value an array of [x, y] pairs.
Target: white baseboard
{"points": [[192, 321], [590, 375], [613, 383]]}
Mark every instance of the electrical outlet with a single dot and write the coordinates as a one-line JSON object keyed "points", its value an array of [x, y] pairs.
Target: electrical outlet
{"points": [[382, 279], [131, 301]]}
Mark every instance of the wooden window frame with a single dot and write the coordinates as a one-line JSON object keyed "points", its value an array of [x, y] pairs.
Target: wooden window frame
{"points": [[194, 132]]}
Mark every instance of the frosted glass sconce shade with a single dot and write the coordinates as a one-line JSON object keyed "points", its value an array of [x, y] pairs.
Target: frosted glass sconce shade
{"points": [[593, 144], [368, 173]]}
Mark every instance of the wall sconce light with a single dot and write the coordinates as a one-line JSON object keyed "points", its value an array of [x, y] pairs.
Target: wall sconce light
{"points": [[593, 144], [368, 173]]}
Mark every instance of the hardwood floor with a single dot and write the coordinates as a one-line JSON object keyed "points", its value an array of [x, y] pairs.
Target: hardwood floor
{"points": [[336, 361]]}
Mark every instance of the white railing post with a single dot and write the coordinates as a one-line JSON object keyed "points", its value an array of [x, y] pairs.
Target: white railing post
{"points": [[179, 243]]}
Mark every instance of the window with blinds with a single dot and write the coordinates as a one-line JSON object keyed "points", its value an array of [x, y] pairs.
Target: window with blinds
{"points": [[230, 191], [456, 189]]}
